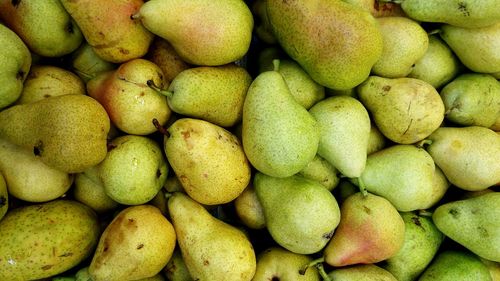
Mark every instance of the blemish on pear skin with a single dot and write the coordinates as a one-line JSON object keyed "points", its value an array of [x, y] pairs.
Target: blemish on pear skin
{"points": [[206, 262], [416, 221], [47, 267], [140, 246], [328, 235], [3, 201], [454, 213]]}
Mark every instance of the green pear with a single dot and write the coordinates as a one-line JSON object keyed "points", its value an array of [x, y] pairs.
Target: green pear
{"points": [[15, 59], [164, 55], [438, 65], [421, 243], [345, 189], [134, 169], [370, 230], [110, 29], [472, 99], [211, 248], [4, 197], [67, 132], [468, 156], [248, 208], [176, 269], [468, 14], [43, 240], [472, 223], [46, 81], [202, 32], [45, 26], [361, 272], [405, 42], [89, 190], [337, 55], [208, 160], [321, 171], [129, 102], [344, 126], [405, 110], [477, 48], [401, 173], [439, 187], [376, 140], [87, 64], [276, 263], [301, 215], [138, 243], [213, 93], [271, 118], [454, 265], [334, 71], [28, 178]]}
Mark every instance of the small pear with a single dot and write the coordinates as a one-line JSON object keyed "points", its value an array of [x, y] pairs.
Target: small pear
{"points": [[211, 248], [405, 110], [361, 272], [472, 223], [87, 64], [344, 126], [301, 215], [89, 190], [376, 141], [164, 55], [321, 171], [468, 156], [176, 269], [370, 230], [248, 208]]}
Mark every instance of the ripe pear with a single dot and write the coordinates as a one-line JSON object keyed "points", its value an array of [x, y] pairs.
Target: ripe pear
{"points": [[4, 197], [301, 215], [405, 110], [110, 29], [468, 156], [401, 173], [15, 59], [472, 99], [438, 66], [344, 126], [89, 190], [335, 42], [202, 32], [472, 223], [271, 118], [453, 265], [138, 243], [248, 208], [176, 269], [211, 248], [208, 160], [370, 230], [87, 64], [421, 243], [45, 26], [67, 132], [321, 171], [477, 48], [361, 272], [276, 263], [134, 169], [405, 42], [164, 55], [28, 177]]}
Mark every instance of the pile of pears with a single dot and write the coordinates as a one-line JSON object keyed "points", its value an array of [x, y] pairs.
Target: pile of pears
{"points": [[274, 140]]}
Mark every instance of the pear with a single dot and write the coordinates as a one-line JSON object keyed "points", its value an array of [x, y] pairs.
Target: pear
{"points": [[15, 59], [110, 29], [164, 55], [453, 265], [405, 110], [263, 28], [137, 244], [45, 26], [248, 208], [438, 66], [472, 99], [276, 263], [67, 132], [176, 269], [301, 215], [87, 64], [361, 272], [208, 160], [370, 230], [468, 14], [271, 118], [28, 178], [202, 32], [46, 81], [4, 197], [405, 42], [213, 93], [468, 156], [493, 267], [421, 243], [89, 190], [335, 42], [211, 248], [134, 170], [439, 187], [401, 173], [376, 140], [472, 223], [477, 48], [344, 126], [321, 171]]}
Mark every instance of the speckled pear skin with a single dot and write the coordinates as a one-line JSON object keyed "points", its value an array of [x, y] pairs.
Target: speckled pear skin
{"points": [[361, 272], [137, 244], [43, 240]]}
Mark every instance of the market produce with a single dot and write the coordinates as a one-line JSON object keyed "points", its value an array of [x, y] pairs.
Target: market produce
{"points": [[362, 272], [322, 171]]}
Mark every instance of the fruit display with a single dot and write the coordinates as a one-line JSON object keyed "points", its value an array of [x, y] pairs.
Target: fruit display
{"points": [[249, 140]]}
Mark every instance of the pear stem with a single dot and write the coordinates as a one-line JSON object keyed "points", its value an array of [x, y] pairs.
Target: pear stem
{"points": [[425, 213], [135, 16], [168, 194], [434, 31], [423, 143], [362, 187], [315, 262], [276, 64], [160, 128], [151, 84], [322, 272]]}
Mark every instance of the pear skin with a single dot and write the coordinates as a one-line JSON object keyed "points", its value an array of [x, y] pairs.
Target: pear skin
{"points": [[164, 55], [361, 272], [249, 210]]}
